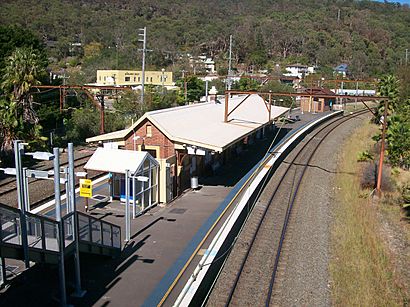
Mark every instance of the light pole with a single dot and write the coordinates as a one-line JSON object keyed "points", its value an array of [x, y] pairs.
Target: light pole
{"points": [[162, 79]]}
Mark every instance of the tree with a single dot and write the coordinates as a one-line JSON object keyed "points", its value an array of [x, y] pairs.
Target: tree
{"points": [[12, 37], [246, 84], [9, 124], [398, 138], [398, 126], [19, 119], [389, 87], [195, 87], [21, 72]]}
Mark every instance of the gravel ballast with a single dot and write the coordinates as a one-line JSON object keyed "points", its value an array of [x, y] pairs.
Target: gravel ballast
{"points": [[303, 277]]}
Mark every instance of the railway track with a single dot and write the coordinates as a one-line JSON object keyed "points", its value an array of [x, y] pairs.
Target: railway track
{"points": [[9, 185], [250, 277]]}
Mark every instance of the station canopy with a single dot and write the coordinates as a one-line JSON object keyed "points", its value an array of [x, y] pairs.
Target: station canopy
{"points": [[118, 160]]}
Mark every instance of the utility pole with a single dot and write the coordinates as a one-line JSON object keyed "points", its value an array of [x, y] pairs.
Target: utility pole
{"points": [[338, 15], [382, 147], [63, 92], [185, 87], [144, 50], [407, 56], [230, 63]]}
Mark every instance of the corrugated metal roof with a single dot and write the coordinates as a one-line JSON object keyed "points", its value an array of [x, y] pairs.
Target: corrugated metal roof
{"points": [[117, 160], [203, 124]]}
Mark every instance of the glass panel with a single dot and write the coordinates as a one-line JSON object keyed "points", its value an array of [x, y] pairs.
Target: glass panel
{"points": [[33, 232], [154, 194], [96, 231], [154, 172], [10, 226], [146, 199], [116, 237], [68, 230], [146, 183], [51, 234], [106, 234], [146, 164], [83, 230], [138, 186]]}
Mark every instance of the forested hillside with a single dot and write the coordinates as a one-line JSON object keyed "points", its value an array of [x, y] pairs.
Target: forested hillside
{"points": [[370, 36]]}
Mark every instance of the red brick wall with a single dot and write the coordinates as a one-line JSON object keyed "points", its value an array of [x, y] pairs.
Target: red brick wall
{"points": [[157, 139]]}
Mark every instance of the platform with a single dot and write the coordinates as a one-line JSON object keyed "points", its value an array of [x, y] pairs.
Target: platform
{"points": [[162, 240]]}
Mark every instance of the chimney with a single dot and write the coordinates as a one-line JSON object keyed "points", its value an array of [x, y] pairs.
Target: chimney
{"points": [[212, 93]]}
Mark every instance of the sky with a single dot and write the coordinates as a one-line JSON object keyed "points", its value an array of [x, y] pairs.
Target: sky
{"points": [[401, 1]]}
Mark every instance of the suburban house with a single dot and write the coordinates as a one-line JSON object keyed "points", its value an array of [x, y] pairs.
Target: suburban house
{"points": [[299, 71], [133, 78], [342, 69]]}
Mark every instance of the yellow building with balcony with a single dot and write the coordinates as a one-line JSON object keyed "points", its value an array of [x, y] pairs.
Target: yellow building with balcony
{"points": [[133, 77]]}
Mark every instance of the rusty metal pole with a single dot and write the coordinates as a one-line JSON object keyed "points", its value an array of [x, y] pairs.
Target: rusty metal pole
{"points": [[61, 100], [102, 127], [380, 169], [226, 106]]}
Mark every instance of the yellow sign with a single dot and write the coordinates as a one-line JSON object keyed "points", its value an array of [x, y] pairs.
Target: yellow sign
{"points": [[86, 188]]}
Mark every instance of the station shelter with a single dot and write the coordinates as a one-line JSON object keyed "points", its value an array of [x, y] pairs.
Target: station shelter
{"points": [[143, 175], [317, 104], [195, 141]]}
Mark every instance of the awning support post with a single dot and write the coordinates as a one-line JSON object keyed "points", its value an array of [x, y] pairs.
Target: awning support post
{"points": [[127, 206]]}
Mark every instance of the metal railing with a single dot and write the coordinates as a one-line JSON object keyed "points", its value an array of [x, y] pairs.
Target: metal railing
{"points": [[43, 232], [95, 231]]}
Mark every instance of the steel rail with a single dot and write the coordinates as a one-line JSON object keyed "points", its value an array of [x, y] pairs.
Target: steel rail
{"points": [[45, 199], [290, 205], [339, 121]]}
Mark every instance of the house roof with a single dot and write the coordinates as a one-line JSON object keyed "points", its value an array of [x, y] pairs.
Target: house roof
{"points": [[117, 160], [318, 91], [297, 65], [342, 67], [203, 124]]}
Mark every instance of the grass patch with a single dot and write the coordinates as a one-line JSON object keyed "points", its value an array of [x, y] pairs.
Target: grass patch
{"points": [[360, 268]]}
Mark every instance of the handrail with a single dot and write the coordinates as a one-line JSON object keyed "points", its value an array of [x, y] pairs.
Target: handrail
{"points": [[111, 240], [41, 217], [9, 208], [94, 218]]}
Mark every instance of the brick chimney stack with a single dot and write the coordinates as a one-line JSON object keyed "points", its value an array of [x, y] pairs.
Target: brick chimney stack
{"points": [[212, 94]]}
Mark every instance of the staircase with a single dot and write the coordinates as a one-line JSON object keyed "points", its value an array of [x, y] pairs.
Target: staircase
{"points": [[94, 236]]}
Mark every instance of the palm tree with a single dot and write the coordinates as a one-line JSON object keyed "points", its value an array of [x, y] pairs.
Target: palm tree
{"points": [[9, 125], [17, 115], [21, 72]]}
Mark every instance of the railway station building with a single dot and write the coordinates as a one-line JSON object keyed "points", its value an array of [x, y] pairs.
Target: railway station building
{"points": [[195, 140]]}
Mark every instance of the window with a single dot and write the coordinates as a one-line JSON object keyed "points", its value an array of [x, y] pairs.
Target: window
{"points": [[100, 78], [149, 131], [151, 79], [135, 78], [127, 79], [139, 79]]}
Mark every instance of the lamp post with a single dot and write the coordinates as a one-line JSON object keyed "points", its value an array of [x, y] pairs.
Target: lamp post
{"points": [[162, 80]]}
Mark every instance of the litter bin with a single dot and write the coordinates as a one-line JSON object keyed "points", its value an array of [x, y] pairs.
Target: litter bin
{"points": [[194, 182]]}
